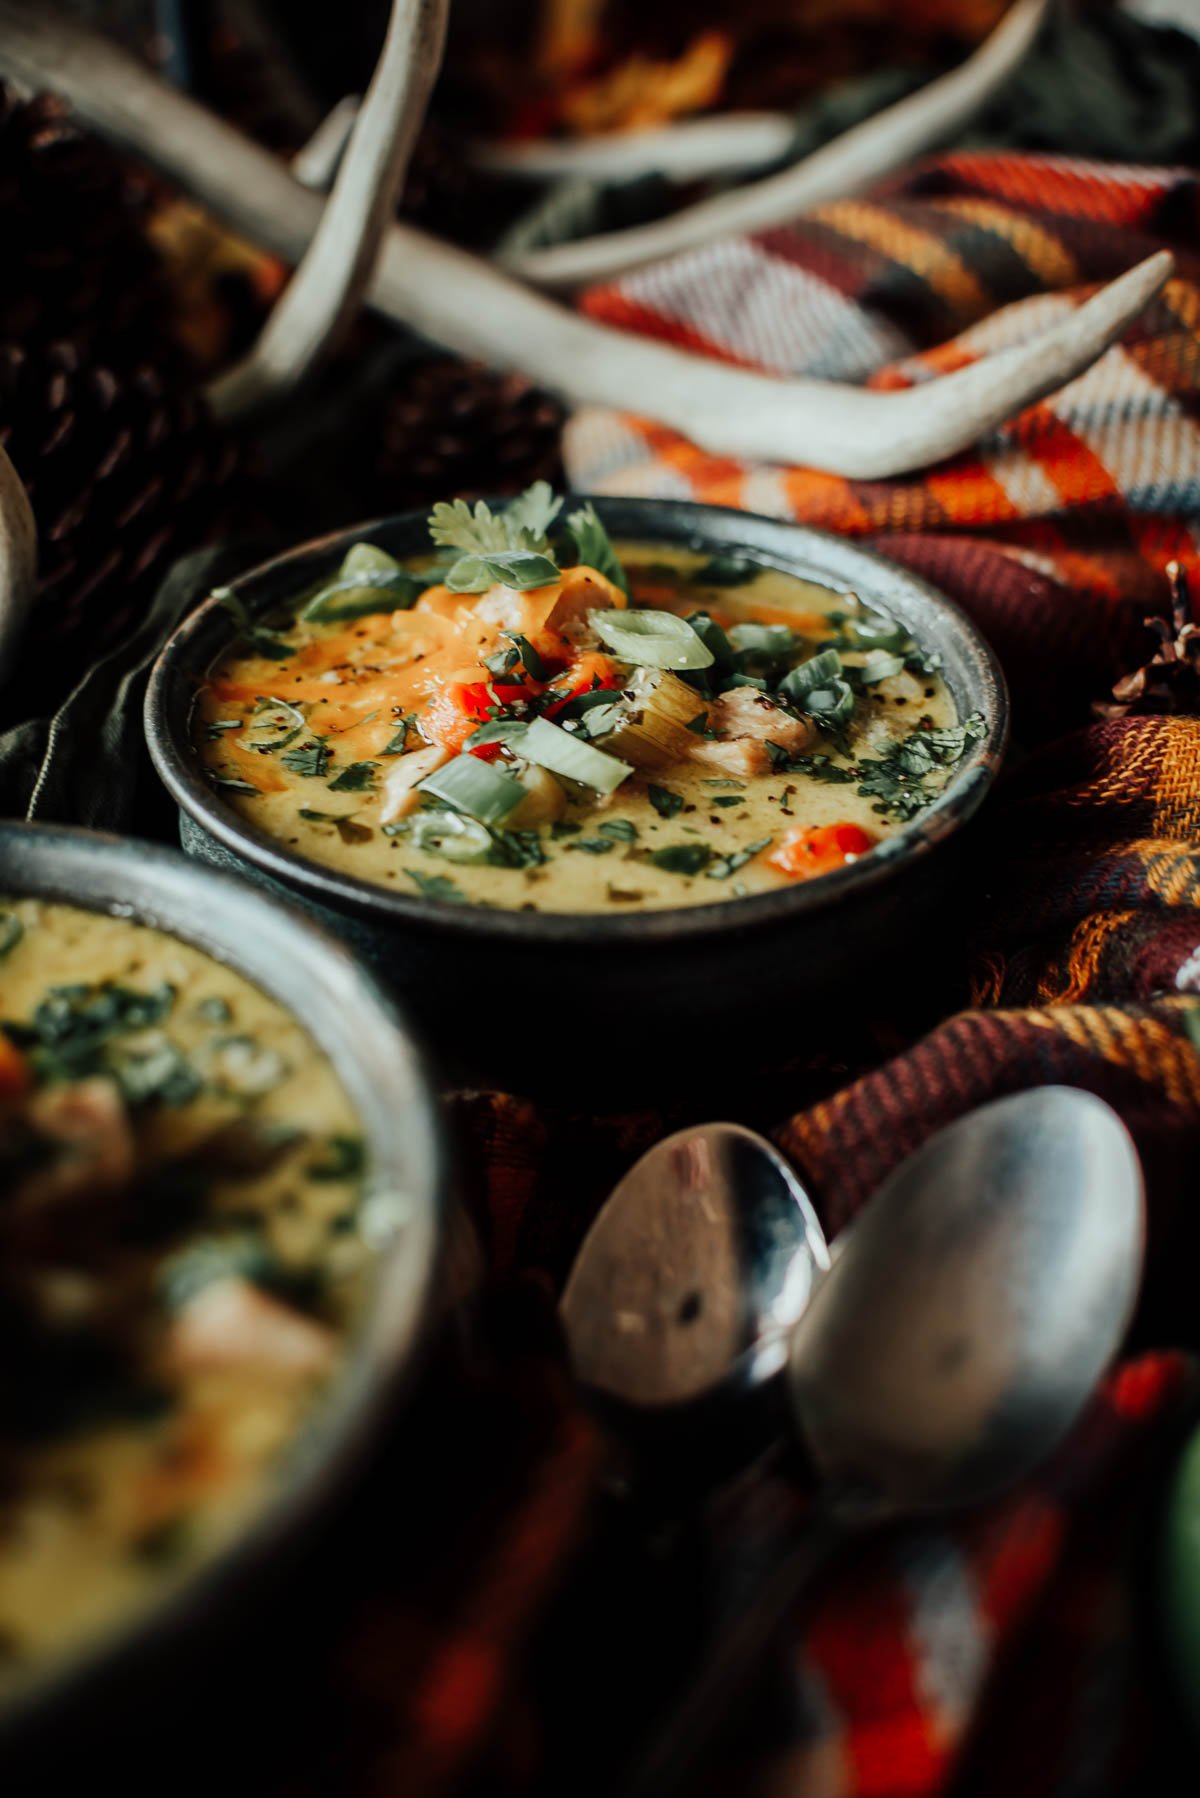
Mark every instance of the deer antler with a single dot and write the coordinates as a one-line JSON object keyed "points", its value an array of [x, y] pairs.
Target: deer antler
{"points": [[327, 288], [471, 307], [18, 558], [851, 162]]}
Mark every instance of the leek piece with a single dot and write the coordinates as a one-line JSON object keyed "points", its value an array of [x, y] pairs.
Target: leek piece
{"points": [[571, 758], [650, 724], [470, 785], [651, 639]]}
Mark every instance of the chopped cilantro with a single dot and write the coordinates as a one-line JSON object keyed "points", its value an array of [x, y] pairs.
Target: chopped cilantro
{"points": [[682, 858], [359, 777], [344, 1158], [729, 864], [309, 758], [665, 802], [436, 886]]}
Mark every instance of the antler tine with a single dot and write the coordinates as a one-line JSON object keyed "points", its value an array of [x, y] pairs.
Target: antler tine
{"points": [[467, 305], [18, 559], [317, 161], [725, 144], [328, 287], [849, 163]]}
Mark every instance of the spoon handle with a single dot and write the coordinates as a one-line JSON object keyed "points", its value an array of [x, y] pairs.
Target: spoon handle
{"points": [[784, 1579]]}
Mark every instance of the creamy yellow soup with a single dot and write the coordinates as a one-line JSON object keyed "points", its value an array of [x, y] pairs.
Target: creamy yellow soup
{"points": [[333, 736], [180, 1263]]}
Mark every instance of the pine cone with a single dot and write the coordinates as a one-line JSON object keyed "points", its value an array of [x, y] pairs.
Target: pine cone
{"points": [[1170, 680], [124, 473], [76, 262], [459, 428]]}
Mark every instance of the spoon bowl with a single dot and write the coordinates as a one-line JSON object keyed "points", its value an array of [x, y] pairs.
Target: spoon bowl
{"points": [[973, 1304], [693, 1274]]}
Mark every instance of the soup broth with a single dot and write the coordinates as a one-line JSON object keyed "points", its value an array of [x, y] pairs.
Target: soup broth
{"points": [[654, 728], [180, 1263]]}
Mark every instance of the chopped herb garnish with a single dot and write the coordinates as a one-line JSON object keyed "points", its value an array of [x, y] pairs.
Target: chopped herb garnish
{"points": [[233, 783], [214, 1010], [594, 845], [728, 799], [665, 802], [726, 571], [682, 858], [218, 726], [350, 832], [359, 777], [399, 743], [822, 767], [595, 548], [897, 780], [729, 864], [623, 829], [436, 886], [11, 932], [344, 1159], [511, 547], [308, 758]]}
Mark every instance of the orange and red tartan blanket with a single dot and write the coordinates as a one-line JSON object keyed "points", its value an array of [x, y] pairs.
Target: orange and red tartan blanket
{"points": [[1015, 1650]]}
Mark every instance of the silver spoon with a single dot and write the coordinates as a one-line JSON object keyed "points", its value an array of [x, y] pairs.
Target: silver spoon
{"points": [[690, 1280], [970, 1311]]}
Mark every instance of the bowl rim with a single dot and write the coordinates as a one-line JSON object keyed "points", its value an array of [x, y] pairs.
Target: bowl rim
{"points": [[795, 548], [256, 934]]}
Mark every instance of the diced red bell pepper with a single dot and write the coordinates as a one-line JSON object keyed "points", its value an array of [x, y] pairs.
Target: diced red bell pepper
{"points": [[462, 706], [805, 853], [589, 673]]}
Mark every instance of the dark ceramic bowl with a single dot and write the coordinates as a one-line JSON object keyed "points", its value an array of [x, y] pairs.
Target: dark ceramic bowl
{"points": [[344, 1012], [651, 991]]}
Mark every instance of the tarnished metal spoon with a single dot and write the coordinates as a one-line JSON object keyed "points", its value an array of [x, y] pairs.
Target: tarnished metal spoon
{"points": [[970, 1311], [690, 1280]]}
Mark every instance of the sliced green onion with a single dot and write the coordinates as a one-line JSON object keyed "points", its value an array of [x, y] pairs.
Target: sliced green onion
{"points": [[508, 731], [451, 835], [280, 711], [569, 756], [818, 671], [652, 639], [369, 580], [832, 705], [473, 786], [878, 630], [772, 640], [881, 664]]}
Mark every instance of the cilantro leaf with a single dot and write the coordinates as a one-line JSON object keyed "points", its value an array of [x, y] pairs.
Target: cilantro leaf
{"points": [[436, 886], [534, 511], [665, 802], [682, 858], [359, 777], [308, 758], [594, 546]]}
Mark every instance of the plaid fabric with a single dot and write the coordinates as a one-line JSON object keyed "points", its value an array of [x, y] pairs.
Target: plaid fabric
{"points": [[1009, 1651]]}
